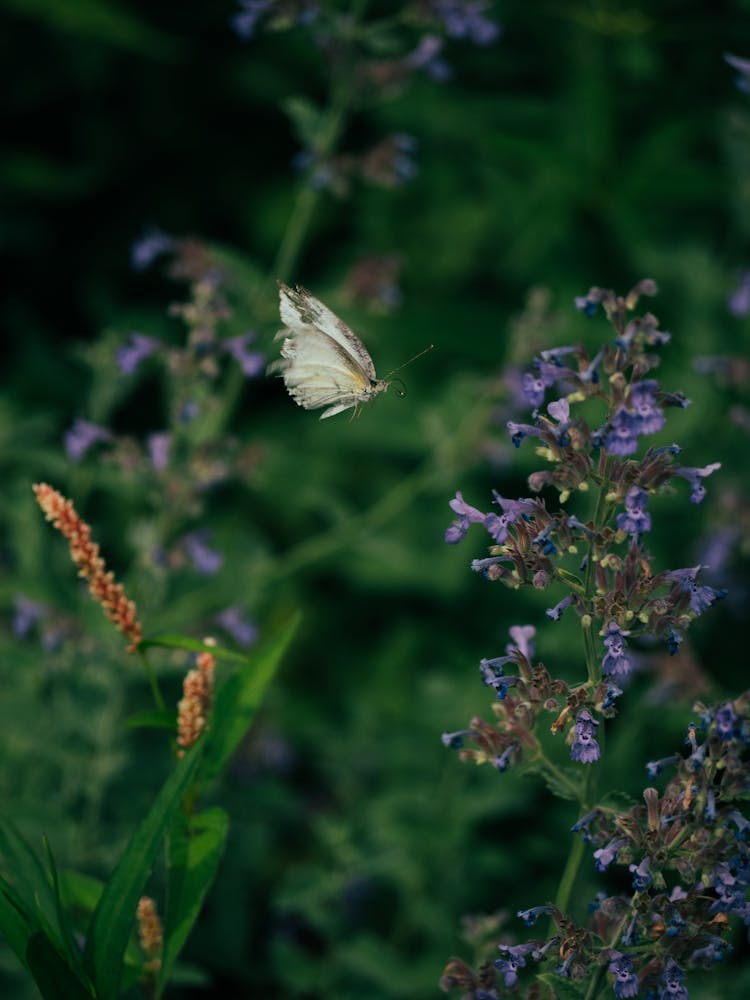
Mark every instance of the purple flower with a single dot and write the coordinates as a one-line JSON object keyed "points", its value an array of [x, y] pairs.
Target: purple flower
{"points": [[635, 519], [148, 247], [533, 385], [738, 303], [82, 436], [615, 661], [454, 741], [522, 636], [512, 510], [694, 477], [531, 915], [742, 82], [701, 597], [642, 877], [206, 560], [585, 748], [604, 856], [426, 56], [502, 762], [642, 400], [465, 19], [137, 349], [672, 977], [246, 20], [555, 614], [727, 722], [242, 630], [466, 515], [626, 981], [251, 362], [622, 435], [158, 445], [655, 767], [26, 613], [519, 431], [508, 967]]}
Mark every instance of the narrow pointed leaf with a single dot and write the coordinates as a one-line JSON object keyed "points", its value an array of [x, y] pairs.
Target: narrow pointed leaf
{"points": [[53, 976], [113, 918], [17, 922], [71, 952], [154, 718], [195, 848], [32, 881]]}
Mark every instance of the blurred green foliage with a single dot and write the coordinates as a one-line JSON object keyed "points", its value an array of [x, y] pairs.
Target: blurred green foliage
{"points": [[595, 143]]}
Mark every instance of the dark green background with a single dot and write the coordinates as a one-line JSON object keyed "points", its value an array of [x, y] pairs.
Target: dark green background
{"points": [[595, 143]]}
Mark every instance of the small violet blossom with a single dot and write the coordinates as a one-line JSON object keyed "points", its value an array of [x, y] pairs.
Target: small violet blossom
{"points": [[694, 477], [158, 445], [206, 560], [701, 596], [615, 661], [242, 630], [82, 436], [585, 748], [635, 519], [130, 355], [251, 362], [152, 244], [626, 981]]}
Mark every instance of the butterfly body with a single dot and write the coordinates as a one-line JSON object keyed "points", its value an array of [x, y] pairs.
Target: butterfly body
{"points": [[323, 362]]}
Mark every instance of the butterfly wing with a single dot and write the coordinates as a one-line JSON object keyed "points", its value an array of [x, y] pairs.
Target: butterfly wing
{"points": [[323, 363], [299, 308]]}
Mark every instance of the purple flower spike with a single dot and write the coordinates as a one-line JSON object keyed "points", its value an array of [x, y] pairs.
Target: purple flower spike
{"points": [[622, 437], [82, 436]]}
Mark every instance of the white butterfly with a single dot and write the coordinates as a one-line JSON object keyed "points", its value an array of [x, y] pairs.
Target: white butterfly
{"points": [[323, 363]]}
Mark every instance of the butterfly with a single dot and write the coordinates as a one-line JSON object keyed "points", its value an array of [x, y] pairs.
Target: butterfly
{"points": [[323, 362]]}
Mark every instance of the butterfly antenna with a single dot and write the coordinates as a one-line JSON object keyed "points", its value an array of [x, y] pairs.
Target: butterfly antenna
{"points": [[399, 390], [421, 354]]}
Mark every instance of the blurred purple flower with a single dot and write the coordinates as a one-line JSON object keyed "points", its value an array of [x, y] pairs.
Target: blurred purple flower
{"points": [[738, 303], [158, 445], [426, 56], [742, 81], [246, 20], [206, 560], [26, 613], [137, 349], [465, 19], [148, 247], [251, 362], [81, 436], [242, 630]]}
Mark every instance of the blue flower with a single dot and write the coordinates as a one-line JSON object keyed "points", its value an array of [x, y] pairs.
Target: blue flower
{"points": [[466, 515], [672, 977], [522, 636], [508, 967], [622, 436], [137, 349], [520, 431], [742, 81], [82, 436], [727, 722], [655, 767], [585, 749], [148, 247], [643, 401], [26, 613], [555, 614], [701, 596], [502, 762], [531, 916], [642, 877], [454, 741]]}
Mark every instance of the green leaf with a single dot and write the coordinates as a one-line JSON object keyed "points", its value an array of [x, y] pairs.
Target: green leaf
{"points": [[71, 952], [33, 883], [52, 974], [560, 988], [305, 118], [173, 641], [238, 699], [195, 848], [17, 923], [153, 718], [113, 918]]}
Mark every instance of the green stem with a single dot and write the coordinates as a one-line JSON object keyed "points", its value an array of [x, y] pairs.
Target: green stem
{"points": [[152, 681]]}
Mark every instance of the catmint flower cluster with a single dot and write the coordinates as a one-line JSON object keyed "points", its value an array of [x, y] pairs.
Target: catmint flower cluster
{"points": [[592, 419]]}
